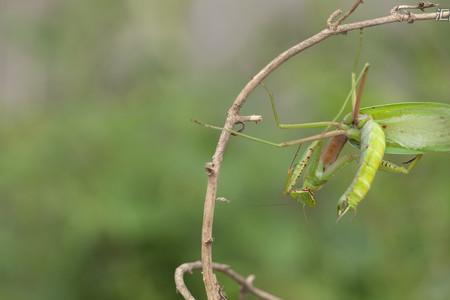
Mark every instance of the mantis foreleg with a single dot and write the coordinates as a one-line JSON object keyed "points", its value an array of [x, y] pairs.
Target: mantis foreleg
{"points": [[318, 173], [295, 173], [310, 156]]}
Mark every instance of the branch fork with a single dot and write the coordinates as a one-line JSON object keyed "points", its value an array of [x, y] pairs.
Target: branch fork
{"points": [[246, 283]]}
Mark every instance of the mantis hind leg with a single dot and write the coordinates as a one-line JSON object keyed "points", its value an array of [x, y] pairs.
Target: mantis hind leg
{"points": [[394, 168]]}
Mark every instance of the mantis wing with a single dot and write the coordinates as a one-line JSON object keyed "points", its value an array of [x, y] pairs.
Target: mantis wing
{"points": [[413, 127]]}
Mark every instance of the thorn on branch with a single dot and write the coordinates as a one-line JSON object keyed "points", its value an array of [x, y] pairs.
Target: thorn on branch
{"points": [[209, 168], [245, 287], [423, 5], [223, 199]]}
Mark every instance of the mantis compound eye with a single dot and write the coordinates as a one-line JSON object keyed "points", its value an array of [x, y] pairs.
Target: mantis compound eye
{"points": [[342, 209], [308, 198]]}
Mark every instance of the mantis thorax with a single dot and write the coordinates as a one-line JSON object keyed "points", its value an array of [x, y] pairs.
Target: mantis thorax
{"points": [[353, 129]]}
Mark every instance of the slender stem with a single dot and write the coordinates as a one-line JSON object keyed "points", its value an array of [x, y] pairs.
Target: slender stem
{"points": [[213, 168]]}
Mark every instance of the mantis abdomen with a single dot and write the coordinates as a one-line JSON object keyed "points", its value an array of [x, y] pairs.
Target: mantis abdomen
{"points": [[372, 151]]}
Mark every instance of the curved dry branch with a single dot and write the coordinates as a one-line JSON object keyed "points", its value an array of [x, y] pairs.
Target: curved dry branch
{"points": [[397, 15], [245, 283]]}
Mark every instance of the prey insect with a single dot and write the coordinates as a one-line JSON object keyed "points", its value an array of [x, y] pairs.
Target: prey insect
{"points": [[408, 128]]}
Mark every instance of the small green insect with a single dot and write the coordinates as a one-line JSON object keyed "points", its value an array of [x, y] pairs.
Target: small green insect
{"points": [[410, 128]]}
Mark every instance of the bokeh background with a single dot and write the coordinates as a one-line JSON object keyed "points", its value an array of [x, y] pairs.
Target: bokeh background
{"points": [[101, 170]]}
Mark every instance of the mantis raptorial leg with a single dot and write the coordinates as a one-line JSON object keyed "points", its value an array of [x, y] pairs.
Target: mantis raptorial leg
{"points": [[306, 194], [307, 156]]}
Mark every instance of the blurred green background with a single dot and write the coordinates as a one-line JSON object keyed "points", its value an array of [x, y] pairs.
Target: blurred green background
{"points": [[102, 180]]}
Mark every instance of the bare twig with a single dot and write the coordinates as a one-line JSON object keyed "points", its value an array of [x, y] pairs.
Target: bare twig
{"points": [[352, 9], [223, 199], [245, 283], [333, 24], [331, 19], [213, 168]]}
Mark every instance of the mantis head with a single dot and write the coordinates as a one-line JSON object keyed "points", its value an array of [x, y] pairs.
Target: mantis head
{"points": [[342, 209], [306, 196]]}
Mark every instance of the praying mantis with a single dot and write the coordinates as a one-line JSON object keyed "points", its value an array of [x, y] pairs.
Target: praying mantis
{"points": [[406, 128]]}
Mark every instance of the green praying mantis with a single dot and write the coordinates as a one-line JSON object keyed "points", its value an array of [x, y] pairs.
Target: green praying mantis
{"points": [[406, 128]]}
